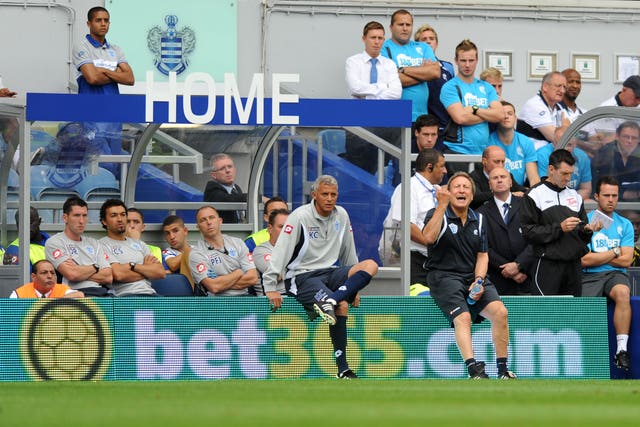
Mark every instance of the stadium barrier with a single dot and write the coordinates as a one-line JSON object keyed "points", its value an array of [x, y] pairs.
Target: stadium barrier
{"points": [[216, 338], [634, 341]]}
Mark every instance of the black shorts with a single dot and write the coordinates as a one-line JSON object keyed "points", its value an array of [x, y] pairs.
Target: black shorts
{"points": [[450, 291], [308, 288]]}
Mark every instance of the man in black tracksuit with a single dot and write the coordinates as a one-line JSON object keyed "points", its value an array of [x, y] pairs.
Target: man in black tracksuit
{"points": [[555, 223]]}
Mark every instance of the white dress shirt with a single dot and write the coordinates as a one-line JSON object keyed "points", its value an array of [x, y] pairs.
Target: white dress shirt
{"points": [[358, 71]]}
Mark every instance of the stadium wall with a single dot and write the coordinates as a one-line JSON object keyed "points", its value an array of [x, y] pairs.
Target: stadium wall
{"points": [[219, 338]]}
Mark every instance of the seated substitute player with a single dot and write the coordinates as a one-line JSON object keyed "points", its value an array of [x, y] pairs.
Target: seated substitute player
{"points": [[43, 284], [220, 264], [316, 255], [262, 253], [261, 236], [458, 258], [605, 266]]}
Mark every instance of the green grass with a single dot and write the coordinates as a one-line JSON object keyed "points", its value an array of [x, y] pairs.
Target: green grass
{"points": [[307, 403]]}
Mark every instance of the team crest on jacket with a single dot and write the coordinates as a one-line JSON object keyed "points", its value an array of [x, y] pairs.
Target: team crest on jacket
{"points": [[171, 48], [453, 228]]}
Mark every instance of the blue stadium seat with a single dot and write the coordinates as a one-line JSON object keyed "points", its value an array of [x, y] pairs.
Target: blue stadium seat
{"points": [[173, 285], [333, 140]]}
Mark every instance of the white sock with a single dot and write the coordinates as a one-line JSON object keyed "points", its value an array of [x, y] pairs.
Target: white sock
{"points": [[622, 342]]}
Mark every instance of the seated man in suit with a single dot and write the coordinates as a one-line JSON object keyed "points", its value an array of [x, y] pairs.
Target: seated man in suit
{"points": [[223, 189], [510, 257]]}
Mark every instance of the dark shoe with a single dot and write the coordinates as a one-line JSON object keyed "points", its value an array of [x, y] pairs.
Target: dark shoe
{"points": [[507, 375], [347, 375], [326, 310], [476, 371], [623, 360]]}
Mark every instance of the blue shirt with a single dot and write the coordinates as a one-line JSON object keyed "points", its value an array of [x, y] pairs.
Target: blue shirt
{"points": [[412, 54], [581, 170], [480, 93], [520, 152], [619, 234]]}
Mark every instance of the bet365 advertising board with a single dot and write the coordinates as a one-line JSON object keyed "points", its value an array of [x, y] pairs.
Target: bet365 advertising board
{"points": [[217, 338]]}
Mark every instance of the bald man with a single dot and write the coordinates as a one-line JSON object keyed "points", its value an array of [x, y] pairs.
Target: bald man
{"points": [[492, 157]]}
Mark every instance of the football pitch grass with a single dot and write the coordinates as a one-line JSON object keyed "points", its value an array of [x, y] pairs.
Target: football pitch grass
{"points": [[321, 403]]}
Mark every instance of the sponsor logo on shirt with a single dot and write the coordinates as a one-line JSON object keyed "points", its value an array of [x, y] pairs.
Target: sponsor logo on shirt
{"points": [[572, 202], [201, 268], [267, 257], [250, 257], [57, 254], [288, 228]]}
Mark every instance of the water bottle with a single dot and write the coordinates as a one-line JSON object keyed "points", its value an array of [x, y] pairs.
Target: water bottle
{"points": [[475, 290]]}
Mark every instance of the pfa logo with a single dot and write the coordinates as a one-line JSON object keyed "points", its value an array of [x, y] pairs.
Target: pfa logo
{"points": [[65, 339], [171, 48]]}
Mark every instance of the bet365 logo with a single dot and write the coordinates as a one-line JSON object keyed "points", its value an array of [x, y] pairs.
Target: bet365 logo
{"points": [[66, 339]]}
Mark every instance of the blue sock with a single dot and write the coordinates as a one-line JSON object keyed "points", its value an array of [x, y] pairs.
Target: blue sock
{"points": [[501, 362], [352, 286], [338, 333]]}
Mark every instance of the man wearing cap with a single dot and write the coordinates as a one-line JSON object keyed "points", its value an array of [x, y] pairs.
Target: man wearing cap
{"points": [[603, 131]]}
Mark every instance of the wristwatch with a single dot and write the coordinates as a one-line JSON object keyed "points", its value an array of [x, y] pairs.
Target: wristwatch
{"points": [[475, 109], [616, 252], [97, 267], [132, 265], [401, 70]]}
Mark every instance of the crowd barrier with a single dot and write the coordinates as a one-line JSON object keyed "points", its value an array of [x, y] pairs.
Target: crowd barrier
{"points": [[216, 338]]}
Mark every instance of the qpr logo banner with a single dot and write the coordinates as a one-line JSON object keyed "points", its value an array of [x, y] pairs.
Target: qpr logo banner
{"points": [[171, 48]]}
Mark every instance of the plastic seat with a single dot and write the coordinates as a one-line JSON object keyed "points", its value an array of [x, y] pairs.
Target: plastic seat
{"points": [[173, 285], [333, 140]]}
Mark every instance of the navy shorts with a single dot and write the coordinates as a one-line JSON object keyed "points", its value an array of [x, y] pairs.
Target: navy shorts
{"points": [[310, 287], [450, 291]]}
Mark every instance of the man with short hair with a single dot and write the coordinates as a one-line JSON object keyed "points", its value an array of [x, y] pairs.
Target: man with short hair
{"points": [[425, 130], [100, 65], [37, 240], [416, 62], [135, 228], [621, 160], [521, 159], [81, 260], [427, 34], [510, 257], [555, 223], [220, 264], [370, 75], [541, 118], [222, 188], [574, 85], [43, 284], [605, 265], [494, 77], [316, 255], [261, 236], [602, 131], [430, 169], [580, 178], [132, 263], [492, 157], [471, 103], [262, 253], [175, 233]]}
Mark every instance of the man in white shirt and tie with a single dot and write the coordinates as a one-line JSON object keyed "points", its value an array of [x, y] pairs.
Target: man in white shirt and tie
{"points": [[370, 75]]}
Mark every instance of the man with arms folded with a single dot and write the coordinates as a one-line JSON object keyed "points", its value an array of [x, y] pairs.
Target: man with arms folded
{"points": [[605, 266], [80, 259], [132, 263], [221, 265]]}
